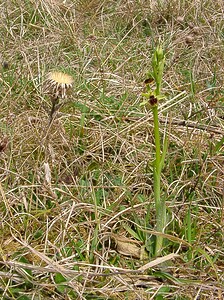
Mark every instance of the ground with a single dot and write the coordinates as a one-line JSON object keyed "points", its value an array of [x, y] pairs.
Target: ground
{"points": [[77, 207]]}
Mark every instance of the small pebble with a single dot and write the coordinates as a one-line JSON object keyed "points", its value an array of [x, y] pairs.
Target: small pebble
{"points": [[5, 65], [189, 40], [180, 19], [196, 30]]}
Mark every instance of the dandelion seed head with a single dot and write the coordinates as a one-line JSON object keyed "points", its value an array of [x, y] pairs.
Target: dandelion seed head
{"points": [[58, 84]]}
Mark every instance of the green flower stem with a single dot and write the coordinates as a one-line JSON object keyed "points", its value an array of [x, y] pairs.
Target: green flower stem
{"points": [[159, 204], [158, 61], [157, 137]]}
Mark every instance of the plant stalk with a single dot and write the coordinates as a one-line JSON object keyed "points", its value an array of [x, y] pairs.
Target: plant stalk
{"points": [[159, 203]]}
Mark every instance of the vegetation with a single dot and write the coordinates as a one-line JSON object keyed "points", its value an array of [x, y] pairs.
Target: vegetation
{"points": [[78, 216]]}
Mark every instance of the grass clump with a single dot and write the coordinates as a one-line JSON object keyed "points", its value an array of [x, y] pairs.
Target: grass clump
{"points": [[74, 200]]}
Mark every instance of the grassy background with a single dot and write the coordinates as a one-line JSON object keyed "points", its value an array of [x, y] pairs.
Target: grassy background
{"points": [[73, 200]]}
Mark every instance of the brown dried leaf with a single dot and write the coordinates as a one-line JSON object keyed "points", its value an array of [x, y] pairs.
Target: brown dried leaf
{"points": [[47, 172], [3, 144], [129, 247]]}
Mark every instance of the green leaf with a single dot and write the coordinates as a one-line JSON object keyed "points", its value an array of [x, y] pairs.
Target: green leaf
{"points": [[24, 298], [146, 95], [219, 145], [131, 231], [59, 278], [22, 259], [82, 107]]}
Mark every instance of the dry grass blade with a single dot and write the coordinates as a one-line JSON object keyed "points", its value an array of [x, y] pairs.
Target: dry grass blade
{"points": [[158, 261]]}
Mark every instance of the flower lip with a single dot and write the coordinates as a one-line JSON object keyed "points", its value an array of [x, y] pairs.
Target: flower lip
{"points": [[153, 100]]}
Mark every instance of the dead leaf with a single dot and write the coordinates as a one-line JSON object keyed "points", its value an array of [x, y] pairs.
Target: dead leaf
{"points": [[3, 144], [129, 247], [47, 172]]}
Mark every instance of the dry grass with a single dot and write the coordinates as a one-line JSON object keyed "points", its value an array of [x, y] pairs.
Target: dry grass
{"points": [[73, 196]]}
